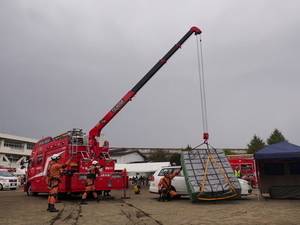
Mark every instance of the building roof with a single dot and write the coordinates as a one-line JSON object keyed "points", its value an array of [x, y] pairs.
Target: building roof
{"points": [[123, 151], [17, 138]]}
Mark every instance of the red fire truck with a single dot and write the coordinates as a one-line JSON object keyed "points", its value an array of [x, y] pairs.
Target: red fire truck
{"points": [[85, 149], [246, 166]]}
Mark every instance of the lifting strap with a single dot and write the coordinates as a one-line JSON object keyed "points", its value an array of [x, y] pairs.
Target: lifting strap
{"points": [[211, 158]]}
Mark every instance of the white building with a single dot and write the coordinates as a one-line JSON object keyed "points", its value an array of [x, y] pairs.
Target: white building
{"points": [[124, 155], [13, 149]]}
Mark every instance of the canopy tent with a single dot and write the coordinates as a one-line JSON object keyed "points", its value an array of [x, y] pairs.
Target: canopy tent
{"points": [[278, 170], [141, 167], [279, 151]]}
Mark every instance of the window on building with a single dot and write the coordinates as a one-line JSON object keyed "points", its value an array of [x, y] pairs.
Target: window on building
{"points": [[14, 158], [30, 146], [13, 144]]}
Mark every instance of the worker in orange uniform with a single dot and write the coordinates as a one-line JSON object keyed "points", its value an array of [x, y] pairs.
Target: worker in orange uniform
{"points": [[53, 180], [89, 182], [164, 186]]}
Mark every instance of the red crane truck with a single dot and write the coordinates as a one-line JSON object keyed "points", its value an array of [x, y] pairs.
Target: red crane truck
{"points": [[85, 149]]}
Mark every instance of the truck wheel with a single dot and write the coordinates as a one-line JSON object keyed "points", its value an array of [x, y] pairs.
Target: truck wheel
{"points": [[29, 192], [1, 187], [64, 196]]}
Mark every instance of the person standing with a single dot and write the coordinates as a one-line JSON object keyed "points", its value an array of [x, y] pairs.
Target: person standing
{"points": [[237, 172], [89, 183], [53, 180], [164, 185]]}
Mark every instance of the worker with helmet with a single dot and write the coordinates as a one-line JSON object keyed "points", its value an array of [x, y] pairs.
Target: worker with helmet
{"points": [[237, 172], [89, 182], [165, 184], [53, 180]]}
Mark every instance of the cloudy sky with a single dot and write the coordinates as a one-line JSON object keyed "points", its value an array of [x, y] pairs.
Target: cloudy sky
{"points": [[65, 64]]}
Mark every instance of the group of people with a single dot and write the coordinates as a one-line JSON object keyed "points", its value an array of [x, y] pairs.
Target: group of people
{"points": [[53, 180], [142, 180]]}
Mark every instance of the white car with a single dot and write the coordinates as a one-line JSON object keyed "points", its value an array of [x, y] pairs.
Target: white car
{"points": [[178, 182], [8, 180]]}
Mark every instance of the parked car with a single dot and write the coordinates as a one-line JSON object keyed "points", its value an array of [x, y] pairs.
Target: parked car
{"points": [[8, 180], [178, 182]]}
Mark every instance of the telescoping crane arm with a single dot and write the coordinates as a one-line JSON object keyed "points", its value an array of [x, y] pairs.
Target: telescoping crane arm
{"points": [[95, 131]]}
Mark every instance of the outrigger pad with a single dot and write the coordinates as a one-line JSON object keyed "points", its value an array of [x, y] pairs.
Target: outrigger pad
{"points": [[208, 175]]}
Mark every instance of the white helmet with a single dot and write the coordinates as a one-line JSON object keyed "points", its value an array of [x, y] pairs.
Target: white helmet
{"points": [[95, 162], [166, 172], [55, 157]]}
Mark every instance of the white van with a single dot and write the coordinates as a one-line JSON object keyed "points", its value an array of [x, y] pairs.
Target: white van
{"points": [[178, 182], [8, 180]]}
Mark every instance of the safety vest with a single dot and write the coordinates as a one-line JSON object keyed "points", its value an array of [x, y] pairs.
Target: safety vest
{"points": [[237, 173]]}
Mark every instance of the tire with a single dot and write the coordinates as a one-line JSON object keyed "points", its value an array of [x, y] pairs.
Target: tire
{"points": [[29, 192], [1, 187], [76, 193], [64, 196]]}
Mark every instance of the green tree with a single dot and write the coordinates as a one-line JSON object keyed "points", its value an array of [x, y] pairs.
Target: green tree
{"points": [[255, 144], [159, 155], [275, 137], [227, 151], [175, 158], [188, 148]]}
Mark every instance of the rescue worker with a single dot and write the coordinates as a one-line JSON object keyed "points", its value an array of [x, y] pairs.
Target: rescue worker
{"points": [[164, 185], [53, 180], [237, 172], [89, 183], [137, 189]]}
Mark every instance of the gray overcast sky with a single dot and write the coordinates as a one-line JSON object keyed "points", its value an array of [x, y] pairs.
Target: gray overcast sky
{"points": [[65, 64]]}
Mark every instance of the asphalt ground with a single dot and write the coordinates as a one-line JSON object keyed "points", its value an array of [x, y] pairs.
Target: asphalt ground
{"points": [[128, 208]]}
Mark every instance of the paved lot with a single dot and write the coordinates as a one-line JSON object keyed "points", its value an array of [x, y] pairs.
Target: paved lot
{"points": [[18, 208]]}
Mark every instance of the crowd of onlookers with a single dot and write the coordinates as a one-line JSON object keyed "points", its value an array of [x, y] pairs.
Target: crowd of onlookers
{"points": [[142, 180]]}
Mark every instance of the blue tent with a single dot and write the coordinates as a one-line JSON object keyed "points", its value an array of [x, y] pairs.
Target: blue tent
{"points": [[278, 170], [279, 151]]}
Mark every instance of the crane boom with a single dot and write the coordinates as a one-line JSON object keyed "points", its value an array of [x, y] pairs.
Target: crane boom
{"points": [[95, 131]]}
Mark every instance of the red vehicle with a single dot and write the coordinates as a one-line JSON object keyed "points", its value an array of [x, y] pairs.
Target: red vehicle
{"points": [[85, 149], [11, 170], [247, 168]]}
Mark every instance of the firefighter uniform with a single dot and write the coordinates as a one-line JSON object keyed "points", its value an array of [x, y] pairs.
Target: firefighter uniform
{"points": [[89, 183], [165, 183], [53, 180]]}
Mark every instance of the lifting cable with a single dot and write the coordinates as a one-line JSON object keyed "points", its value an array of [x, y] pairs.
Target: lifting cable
{"points": [[202, 88], [210, 158]]}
